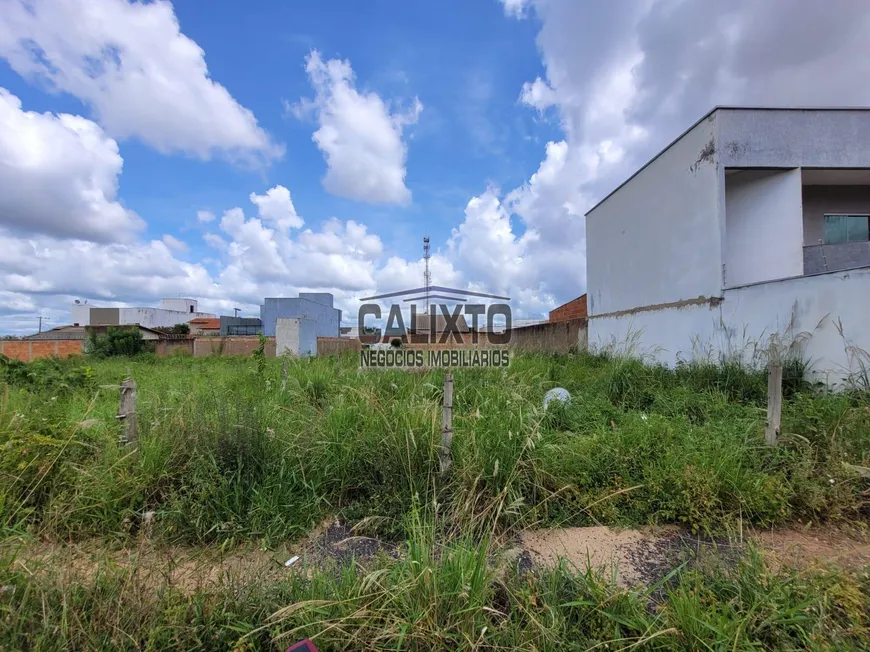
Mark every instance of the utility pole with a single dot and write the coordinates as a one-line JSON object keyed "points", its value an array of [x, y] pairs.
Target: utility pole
{"points": [[40, 322], [236, 312]]}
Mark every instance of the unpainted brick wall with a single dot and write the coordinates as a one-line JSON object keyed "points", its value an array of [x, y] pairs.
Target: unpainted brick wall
{"points": [[556, 337], [575, 309], [66, 348], [421, 340], [337, 345], [17, 350], [170, 347], [29, 350], [206, 346], [44, 349]]}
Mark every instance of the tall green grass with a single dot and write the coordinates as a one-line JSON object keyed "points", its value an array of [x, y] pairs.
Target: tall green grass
{"points": [[446, 596], [230, 450]]}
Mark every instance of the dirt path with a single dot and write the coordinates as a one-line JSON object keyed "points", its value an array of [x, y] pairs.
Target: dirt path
{"points": [[190, 569], [643, 556], [630, 557]]}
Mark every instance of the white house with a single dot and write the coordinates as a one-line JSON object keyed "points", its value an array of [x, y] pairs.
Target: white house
{"points": [[169, 313], [752, 225]]}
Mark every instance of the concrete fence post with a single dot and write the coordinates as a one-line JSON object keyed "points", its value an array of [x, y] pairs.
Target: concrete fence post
{"points": [[127, 412]]}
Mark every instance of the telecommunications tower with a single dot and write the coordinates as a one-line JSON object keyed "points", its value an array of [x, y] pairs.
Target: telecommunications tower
{"points": [[427, 276]]}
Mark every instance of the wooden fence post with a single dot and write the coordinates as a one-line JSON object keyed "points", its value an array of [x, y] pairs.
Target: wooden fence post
{"points": [[284, 374], [127, 412], [445, 455], [774, 404]]}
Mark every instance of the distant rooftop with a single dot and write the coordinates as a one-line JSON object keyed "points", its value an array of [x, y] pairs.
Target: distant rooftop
{"points": [[206, 323], [60, 333]]}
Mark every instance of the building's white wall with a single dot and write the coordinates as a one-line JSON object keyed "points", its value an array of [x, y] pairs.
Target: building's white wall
{"points": [[157, 317], [328, 319], [81, 314], [666, 335], [814, 309], [323, 298], [794, 138], [287, 334], [810, 310], [658, 238], [295, 336], [180, 305], [150, 336], [763, 226]]}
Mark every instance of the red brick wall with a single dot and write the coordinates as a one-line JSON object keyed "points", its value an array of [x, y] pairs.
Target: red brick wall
{"points": [[42, 349], [422, 339], [29, 350], [575, 309], [206, 346], [337, 345], [555, 337], [168, 347], [66, 348], [16, 350]]}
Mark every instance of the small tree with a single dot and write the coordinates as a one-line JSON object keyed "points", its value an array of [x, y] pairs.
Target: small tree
{"points": [[116, 342], [179, 329], [259, 355]]}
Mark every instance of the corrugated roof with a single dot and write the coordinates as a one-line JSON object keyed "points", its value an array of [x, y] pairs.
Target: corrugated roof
{"points": [[60, 333], [206, 323]]}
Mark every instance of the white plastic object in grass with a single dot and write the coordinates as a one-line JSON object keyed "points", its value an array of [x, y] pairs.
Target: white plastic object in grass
{"points": [[556, 394], [291, 561]]}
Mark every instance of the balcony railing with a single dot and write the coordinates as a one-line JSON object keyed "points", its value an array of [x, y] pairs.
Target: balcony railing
{"points": [[820, 258]]}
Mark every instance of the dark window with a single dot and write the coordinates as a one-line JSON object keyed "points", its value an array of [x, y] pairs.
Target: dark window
{"points": [[191, 309], [840, 229]]}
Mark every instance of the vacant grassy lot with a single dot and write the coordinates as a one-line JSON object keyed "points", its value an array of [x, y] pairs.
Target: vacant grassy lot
{"points": [[230, 451]]}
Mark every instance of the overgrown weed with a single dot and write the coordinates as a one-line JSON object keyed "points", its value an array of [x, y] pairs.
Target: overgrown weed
{"points": [[230, 452], [437, 595]]}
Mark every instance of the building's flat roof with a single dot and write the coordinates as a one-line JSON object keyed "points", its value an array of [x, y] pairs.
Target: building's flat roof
{"points": [[725, 107]]}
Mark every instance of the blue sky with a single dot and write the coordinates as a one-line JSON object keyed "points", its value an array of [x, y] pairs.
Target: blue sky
{"points": [[472, 130], [327, 138]]}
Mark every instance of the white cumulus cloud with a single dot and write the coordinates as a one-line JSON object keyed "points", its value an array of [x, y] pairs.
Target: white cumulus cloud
{"points": [[276, 206], [131, 63], [175, 244], [59, 176], [359, 134]]}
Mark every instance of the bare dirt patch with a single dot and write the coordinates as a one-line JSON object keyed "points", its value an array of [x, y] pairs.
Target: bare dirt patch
{"points": [[153, 564], [629, 557], [638, 557], [808, 547]]}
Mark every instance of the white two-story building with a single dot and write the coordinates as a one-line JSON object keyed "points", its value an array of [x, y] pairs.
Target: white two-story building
{"points": [[752, 227]]}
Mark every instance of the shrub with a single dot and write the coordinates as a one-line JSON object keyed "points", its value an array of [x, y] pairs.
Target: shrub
{"points": [[116, 342], [50, 374]]}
